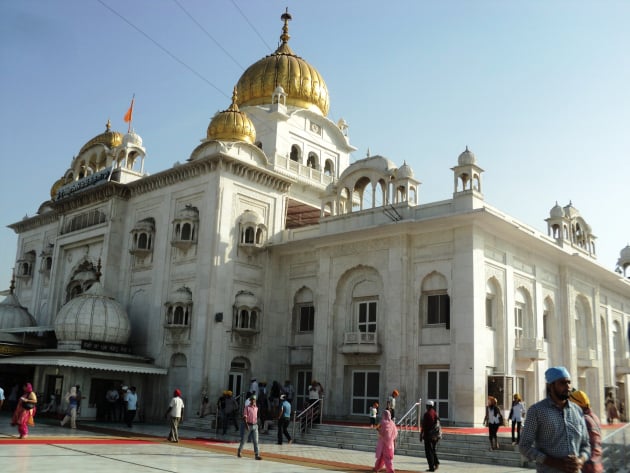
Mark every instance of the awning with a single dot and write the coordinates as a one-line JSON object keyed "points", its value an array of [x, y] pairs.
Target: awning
{"points": [[94, 364], [38, 328]]}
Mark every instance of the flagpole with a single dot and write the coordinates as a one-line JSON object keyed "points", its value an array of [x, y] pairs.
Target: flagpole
{"points": [[129, 115]]}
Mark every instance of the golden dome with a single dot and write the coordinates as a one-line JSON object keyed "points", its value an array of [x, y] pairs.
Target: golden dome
{"points": [[232, 125], [110, 138], [55, 187], [303, 85]]}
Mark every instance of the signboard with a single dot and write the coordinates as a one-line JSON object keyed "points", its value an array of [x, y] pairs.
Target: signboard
{"points": [[106, 346], [92, 180]]}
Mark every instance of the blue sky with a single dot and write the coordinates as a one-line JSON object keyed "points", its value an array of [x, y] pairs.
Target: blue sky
{"points": [[538, 90]]}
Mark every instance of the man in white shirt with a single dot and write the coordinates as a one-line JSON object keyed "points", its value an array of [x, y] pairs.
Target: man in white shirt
{"points": [[112, 404], [176, 412], [131, 403]]}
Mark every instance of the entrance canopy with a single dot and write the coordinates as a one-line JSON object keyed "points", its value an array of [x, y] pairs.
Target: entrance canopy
{"points": [[73, 361]]}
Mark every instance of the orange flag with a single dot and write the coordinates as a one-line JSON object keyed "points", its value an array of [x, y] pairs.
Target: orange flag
{"points": [[129, 113]]}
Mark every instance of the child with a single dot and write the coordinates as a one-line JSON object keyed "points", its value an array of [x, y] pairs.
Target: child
{"points": [[373, 411]]}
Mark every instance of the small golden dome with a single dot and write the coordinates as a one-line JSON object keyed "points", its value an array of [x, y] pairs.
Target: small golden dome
{"points": [[55, 187], [302, 83], [232, 125], [110, 138]]}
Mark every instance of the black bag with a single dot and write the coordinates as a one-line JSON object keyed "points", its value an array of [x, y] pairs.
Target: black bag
{"points": [[436, 432], [28, 405]]}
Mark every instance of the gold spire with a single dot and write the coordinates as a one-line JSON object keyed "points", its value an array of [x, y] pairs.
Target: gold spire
{"points": [[232, 124], [286, 17], [304, 86]]}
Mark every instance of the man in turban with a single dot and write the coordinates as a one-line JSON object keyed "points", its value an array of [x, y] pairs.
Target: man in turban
{"points": [[555, 434]]}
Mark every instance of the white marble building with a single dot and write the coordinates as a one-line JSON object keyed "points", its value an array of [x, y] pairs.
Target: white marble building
{"points": [[268, 254]]}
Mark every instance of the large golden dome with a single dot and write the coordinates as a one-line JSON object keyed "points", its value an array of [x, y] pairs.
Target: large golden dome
{"points": [[110, 138], [232, 125], [303, 85]]}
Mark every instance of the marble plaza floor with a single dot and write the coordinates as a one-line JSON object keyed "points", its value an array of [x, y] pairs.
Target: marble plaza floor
{"points": [[107, 448]]}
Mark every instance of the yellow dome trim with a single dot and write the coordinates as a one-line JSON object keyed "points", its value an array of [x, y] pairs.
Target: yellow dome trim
{"points": [[232, 124], [302, 83], [110, 138]]}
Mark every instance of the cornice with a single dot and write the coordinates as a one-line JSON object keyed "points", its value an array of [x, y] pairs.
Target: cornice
{"points": [[180, 173], [207, 165], [101, 193]]}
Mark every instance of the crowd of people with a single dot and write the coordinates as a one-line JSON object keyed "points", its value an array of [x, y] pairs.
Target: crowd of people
{"points": [[562, 433]]}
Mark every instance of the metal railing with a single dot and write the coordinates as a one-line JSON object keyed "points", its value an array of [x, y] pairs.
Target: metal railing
{"points": [[352, 338], [616, 451], [304, 420], [409, 422]]}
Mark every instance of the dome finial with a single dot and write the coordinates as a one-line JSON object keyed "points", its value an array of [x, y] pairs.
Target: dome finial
{"points": [[286, 17], [234, 107], [108, 125]]}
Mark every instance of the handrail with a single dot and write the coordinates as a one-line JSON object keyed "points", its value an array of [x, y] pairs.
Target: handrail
{"points": [[305, 419], [410, 421], [616, 449]]}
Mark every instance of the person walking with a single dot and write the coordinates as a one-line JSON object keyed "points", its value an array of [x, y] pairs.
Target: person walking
{"points": [[387, 433], [71, 410], [175, 412], [594, 427], [131, 405], [391, 403], [1, 397], [284, 417], [517, 413], [493, 419], [555, 436], [25, 410], [250, 421], [429, 433]]}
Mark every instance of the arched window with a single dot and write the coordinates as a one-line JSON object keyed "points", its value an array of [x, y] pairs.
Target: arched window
{"points": [[252, 232], [142, 239], [246, 314], [312, 161], [179, 308], [249, 235], [329, 168], [185, 227], [304, 311], [436, 301], [295, 153], [187, 232]]}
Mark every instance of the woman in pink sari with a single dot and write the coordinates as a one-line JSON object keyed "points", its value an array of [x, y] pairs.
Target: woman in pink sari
{"points": [[387, 433], [25, 410]]}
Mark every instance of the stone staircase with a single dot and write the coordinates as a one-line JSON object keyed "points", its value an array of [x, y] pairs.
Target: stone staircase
{"points": [[456, 447]]}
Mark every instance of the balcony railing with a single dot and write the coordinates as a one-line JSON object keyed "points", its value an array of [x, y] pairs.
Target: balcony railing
{"points": [[530, 348], [360, 342], [359, 337]]}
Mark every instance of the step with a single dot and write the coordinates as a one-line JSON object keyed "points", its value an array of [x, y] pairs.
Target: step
{"points": [[456, 447]]}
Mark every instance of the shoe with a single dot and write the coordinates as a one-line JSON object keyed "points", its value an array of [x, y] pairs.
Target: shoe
{"points": [[437, 466], [279, 443], [238, 454], [258, 457]]}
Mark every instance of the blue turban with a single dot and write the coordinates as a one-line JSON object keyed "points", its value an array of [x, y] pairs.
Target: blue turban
{"points": [[556, 373]]}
